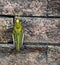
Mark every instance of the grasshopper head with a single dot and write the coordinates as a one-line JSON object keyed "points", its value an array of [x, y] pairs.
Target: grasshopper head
{"points": [[18, 23]]}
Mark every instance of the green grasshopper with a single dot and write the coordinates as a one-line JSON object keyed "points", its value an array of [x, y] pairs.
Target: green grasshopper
{"points": [[18, 34]]}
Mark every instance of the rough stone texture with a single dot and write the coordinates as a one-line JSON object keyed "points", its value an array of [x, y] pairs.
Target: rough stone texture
{"points": [[36, 30], [54, 7], [30, 7], [30, 56], [5, 32], [41, 30], [54, 55], [23, 7]]}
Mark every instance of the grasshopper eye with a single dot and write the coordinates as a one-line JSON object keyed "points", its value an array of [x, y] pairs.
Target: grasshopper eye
{"points": [[17, 20]]}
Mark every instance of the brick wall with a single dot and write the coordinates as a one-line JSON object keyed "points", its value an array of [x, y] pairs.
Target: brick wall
{"points": [[30, 7], [23, 7], [41, 29], [36, 29]]}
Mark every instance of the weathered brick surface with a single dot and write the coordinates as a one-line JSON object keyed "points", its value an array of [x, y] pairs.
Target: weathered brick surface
{"points": [[54, 55], [36, 29], [5, 32], [23, 7], [30, 56], [30, 7], [41, 29], [54, 7]]}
